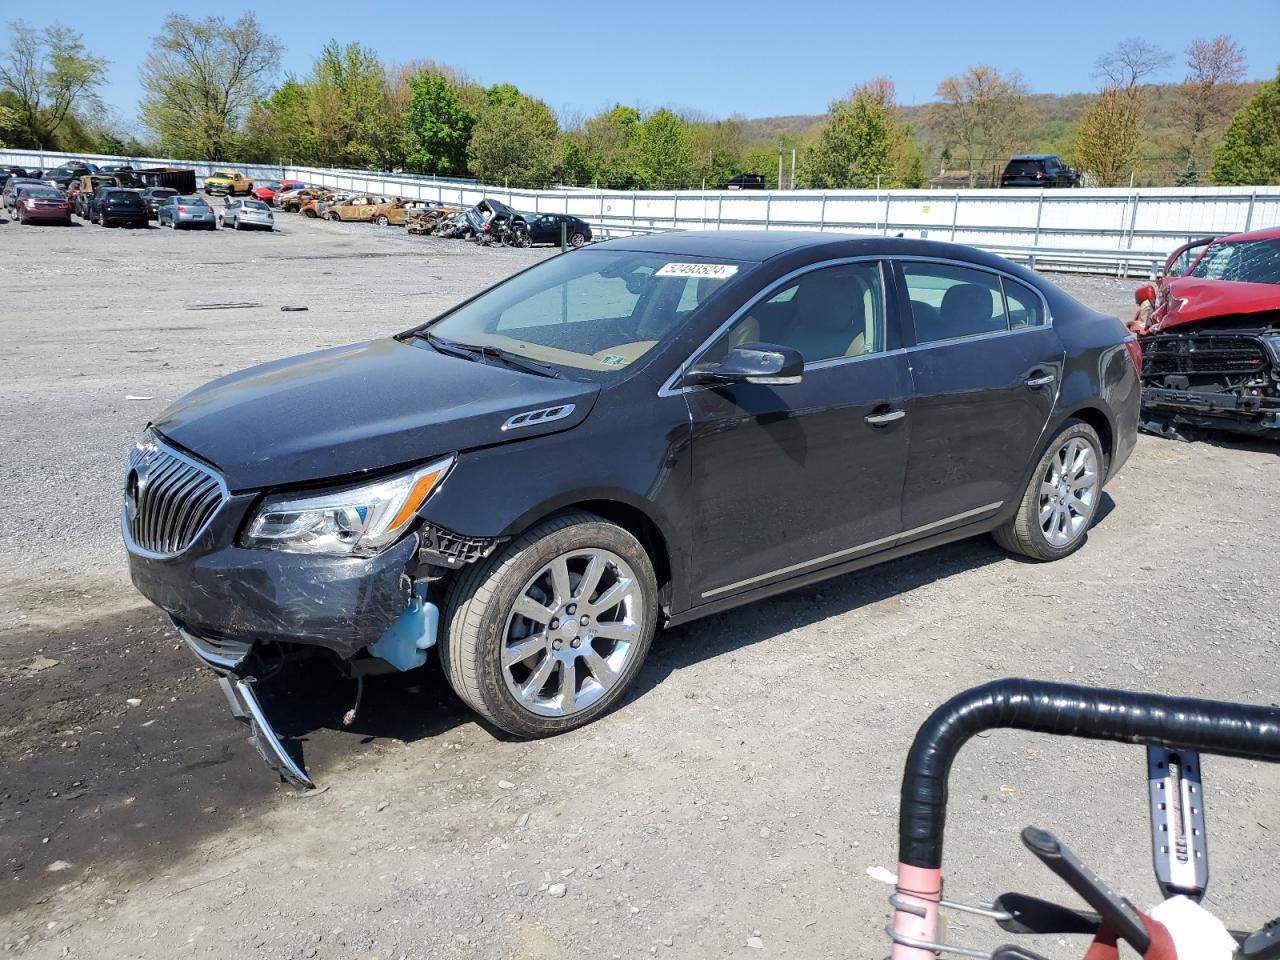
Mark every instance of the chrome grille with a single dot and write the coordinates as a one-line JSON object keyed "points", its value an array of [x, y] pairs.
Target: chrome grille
{"points": [[169, 499]]}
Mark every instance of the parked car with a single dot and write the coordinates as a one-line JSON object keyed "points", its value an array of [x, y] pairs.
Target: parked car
{"points": [[291, 200], [492, 221], [248, 214], [82, 191], [153, 197], [1039, 170], [545, 228], [9, 195], [186, 212], [63, 176], [115, 169], [427, 220], [267, 190], [43, 204], [746, 181], [1210, 335], [357, 209], [227, 183], [111, 206], [7, 172], [397, 212], [796, 406]]}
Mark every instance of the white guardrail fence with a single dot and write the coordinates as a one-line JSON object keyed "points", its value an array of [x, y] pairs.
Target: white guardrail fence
{"points": [[1099, 230]]}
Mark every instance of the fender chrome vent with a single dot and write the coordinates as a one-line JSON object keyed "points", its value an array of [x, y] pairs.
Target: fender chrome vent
{"points": [[532, 418]]}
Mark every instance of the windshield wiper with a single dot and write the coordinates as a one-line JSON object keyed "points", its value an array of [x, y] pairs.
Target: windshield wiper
{"points": [[475, 351]]}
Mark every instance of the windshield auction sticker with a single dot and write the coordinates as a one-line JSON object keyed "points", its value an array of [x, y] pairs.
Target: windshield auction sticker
{"points": [[712, 271]]}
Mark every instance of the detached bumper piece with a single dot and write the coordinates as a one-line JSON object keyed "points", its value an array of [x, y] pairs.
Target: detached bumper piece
{"points": [[227, 658], [246, 708]]}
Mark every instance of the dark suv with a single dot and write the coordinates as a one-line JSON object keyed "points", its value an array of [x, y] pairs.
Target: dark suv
{"points": [[115, 205], [1039, 170], [635, 434]]}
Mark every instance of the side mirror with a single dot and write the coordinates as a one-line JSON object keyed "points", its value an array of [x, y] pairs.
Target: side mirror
{"points": [[1144, 294], [750, 363]]}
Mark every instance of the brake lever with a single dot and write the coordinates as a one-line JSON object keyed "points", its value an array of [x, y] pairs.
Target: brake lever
{"points": [[1118, 914]]}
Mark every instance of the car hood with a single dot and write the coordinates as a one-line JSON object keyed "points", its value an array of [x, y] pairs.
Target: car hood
{"points": [[1206, 299], [358, 408]]}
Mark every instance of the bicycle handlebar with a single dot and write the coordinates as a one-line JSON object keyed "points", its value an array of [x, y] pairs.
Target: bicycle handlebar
{"points": [[1228, 729]]}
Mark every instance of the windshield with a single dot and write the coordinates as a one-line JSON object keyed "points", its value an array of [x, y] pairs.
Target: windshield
{"points": [[597, 311], [41, 192], [1024, 168], [255, 205], [1248, 261]]}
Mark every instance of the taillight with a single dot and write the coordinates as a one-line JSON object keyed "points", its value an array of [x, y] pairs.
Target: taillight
{"points": [[182, 209], [1135, 354]]}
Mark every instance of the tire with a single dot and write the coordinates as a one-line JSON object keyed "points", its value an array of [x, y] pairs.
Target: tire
{"points": [[382, 222], [577, 240], [103, 221], [480, 614], [1072, 505], [334, 218]]}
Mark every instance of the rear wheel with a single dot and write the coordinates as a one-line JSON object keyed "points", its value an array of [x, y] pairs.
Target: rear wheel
{"points": [[1061, 498], [577, 240], [548, 635], [334, 217]]}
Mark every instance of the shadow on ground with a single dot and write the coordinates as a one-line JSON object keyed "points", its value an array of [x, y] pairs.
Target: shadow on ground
{"points": [[119, 791]]}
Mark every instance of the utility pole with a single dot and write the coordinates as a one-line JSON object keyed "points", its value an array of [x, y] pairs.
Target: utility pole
{"points": [[793, 168], [779, 169]]}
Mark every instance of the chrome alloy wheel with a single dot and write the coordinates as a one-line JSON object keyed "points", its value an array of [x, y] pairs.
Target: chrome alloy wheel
{"points": [[571, 632], [1069, 492]]}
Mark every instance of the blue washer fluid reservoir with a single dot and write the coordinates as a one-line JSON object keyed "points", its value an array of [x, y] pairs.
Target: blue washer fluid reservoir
{"points": [[407, 640]]}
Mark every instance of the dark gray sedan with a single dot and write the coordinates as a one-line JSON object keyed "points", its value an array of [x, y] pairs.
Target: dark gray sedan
{"points": [[188, 211]]}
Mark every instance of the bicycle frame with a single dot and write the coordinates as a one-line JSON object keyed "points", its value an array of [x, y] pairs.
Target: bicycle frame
{"points": [[1227, 729]]}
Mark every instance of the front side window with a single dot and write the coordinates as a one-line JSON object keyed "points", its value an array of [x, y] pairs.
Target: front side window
{"points": [[949, 302], [830, 313], [596, 312]]}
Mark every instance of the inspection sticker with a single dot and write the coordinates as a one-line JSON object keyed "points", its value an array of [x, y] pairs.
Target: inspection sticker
{"points": [[711, 271]]}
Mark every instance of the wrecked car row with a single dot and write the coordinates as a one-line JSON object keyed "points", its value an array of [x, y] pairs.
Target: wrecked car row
{"points": [[1209, 329]]}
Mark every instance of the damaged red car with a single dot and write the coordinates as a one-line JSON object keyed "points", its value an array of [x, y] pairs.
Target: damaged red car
{"points": [[1209, 329]]}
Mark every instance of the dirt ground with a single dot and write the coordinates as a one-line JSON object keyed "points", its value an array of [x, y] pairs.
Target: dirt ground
{"points": [[731, 808]]}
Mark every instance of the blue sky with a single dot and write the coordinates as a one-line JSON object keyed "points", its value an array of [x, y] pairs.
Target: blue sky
{"points": [[748, 57]]}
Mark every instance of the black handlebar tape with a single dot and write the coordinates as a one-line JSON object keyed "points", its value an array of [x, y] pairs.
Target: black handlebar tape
{"points": [[1209, 726]]}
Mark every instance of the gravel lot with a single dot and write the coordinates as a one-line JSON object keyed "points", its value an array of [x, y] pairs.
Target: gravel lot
{"points": [[740, 795]]}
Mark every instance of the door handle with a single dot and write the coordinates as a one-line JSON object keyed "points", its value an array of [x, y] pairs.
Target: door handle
{"points": [[1041, 381], [881, 419]]}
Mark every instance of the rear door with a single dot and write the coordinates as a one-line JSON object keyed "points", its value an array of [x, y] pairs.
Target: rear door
{"points": [[985, 375]]}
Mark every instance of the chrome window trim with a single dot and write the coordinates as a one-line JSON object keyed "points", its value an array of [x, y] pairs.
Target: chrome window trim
{"points": [[975, 513], [669, 389]]}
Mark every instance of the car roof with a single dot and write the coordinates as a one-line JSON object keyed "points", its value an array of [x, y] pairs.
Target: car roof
{"points": [[760, 245], [1271, 234], [1034, 156]]}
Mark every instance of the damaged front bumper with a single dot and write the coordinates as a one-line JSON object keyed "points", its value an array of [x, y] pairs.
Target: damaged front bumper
{"points": [[1165, 409], [229, 659]]}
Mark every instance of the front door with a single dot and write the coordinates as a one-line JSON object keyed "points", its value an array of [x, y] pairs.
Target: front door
{"points": [[985, 375], [789, 479]]}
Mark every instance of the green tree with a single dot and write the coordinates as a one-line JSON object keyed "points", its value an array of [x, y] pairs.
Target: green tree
{"points": [[717, 148], [662, 156], [513, 144], [437, 126], [608, 144], [201, 79], [279, 128], [853, 147], [49, 74], [1250, 152], [352, 107]]}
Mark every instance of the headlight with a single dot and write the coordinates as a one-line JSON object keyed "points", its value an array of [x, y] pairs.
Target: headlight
{"points": [[355, 521]]}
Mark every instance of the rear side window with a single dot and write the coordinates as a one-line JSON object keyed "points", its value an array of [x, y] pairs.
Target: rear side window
{"points": [[949, 302], [1023, 305]]}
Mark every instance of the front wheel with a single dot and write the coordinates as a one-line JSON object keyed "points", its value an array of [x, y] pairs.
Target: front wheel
{"points": [[548, 635], [1061, 498], [382, 221]]}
